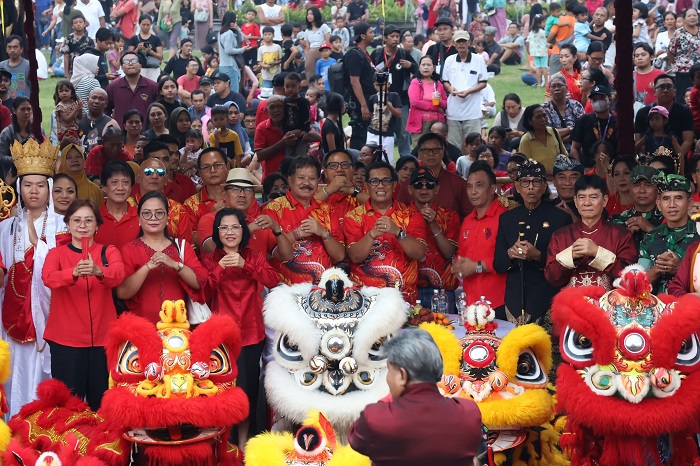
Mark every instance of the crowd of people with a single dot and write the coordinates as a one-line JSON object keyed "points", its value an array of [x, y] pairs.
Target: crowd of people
{"points": [[215, 179]]}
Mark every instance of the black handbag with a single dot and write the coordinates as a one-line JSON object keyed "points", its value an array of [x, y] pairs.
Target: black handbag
{"points": [[211, 37]]}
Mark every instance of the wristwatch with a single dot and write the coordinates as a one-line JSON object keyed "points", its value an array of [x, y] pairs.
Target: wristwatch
{"points": [[278, 233], [479, 267], [401, 235], [356, 191]]}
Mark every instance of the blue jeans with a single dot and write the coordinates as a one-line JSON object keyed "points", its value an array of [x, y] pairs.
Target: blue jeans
{"points": [[57, 33], [43, 40], [403, 137], [426, 295], [234, 73]]}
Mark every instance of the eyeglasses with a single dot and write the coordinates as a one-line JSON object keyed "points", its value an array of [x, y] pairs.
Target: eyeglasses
{"points": [[150, 171], [535, 183], [665, 87], [88, 222], [336, 165], [130, 61], [213, 167], [431, 151], [424, 185], [231, 228], [384, 181], [585, 79], [158, 214], [596, 59], [239, 189]]}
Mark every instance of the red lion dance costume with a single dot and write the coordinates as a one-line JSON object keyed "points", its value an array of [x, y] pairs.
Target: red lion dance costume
{"points": [[630, 381], [172, 401]]}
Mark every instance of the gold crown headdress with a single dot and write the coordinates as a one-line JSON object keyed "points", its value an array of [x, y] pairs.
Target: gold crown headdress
{"points": [[32, 158]]}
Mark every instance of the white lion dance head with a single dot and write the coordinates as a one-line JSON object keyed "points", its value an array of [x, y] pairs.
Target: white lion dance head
{"points": [[328, 347]]}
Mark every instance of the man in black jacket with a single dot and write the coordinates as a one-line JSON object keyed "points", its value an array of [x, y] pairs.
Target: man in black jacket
{"points": [[177, 65]]}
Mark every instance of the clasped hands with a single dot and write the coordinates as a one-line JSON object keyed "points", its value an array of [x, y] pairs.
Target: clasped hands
{"points": [[87, 267], [232, 259], [667, 262], [524, 250], [384, 225]]}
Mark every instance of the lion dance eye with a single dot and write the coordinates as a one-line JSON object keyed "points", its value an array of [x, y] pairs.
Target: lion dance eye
{"points": [[129, 362], [529, 370], [219, 361], [689, 354], [576, 348]]}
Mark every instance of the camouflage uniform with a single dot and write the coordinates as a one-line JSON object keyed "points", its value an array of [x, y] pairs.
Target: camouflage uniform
{"points": [[654, 217], [662, 239]]}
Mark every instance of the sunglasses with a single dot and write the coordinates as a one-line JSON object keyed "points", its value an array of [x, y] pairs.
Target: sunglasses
{"points": [[424, 185], [150, 171]]}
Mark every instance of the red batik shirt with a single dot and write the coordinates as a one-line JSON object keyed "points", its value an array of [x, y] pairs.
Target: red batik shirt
{"points": [[434, 271], [387, 265], [198, 206], [310, 255], [262, 240], [337, 206]]}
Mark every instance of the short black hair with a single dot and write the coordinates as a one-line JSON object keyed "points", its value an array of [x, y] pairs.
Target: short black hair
{"points": [[378, 165], [104, 34], [128, 52], [487, 147], [500, 130], [626, 159], [554, 6], [471, 137], [117, 167], [643, 45], [12, 37], [269, 182], [664, 76], [245, 237], [249, 112], [197, 92], [694, 69], [304, 162], [666, 161], [591, 181], [286, 30], [527, 116], [154, 146], [361, 29], [268, 29], [334, 38], [482, 166], [168, 139], [209, 150], [580, 9], [643, 9], [129, 113], [431, 137], [293, 77], [333, 152], [314, 78], [403, 160], [219, 110]]}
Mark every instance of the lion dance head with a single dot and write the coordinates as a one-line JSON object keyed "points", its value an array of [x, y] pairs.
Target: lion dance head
{"points": [[630, 381], [328, 348], [507, 378]]}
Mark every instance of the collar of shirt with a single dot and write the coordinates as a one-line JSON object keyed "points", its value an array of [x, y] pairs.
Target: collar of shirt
{"points": [[490, 212], [295, 203], [253, 212], [369, 209], [131, 211], [466, 60], [586, 229]]}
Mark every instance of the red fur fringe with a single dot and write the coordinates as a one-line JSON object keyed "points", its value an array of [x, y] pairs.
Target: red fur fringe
{"points": [[570, 308], [219, 329], [197, 454], [141, 333], [671, 329]]}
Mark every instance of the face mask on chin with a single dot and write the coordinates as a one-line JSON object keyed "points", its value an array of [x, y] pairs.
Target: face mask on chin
{"points": [[600, 105]]}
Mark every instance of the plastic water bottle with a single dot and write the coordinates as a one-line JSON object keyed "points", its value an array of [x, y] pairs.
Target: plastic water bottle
{"points": [[435, 301], [443, 301]]}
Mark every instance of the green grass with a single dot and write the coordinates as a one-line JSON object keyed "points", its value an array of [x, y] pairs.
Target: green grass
{"points": [[506, 82]]}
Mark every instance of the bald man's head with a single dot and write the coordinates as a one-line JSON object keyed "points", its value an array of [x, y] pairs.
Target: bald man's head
{"points": [[152, 176], [97, 102]]}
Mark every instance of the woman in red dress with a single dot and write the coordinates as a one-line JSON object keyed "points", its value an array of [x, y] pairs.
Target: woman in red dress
{"points": [[236, 280], [82, 308], [154, 269]]}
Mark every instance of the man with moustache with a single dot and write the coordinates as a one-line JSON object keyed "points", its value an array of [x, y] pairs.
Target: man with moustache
{"points": [[212, 165], [444, 27], [308, 227], [340, 195], [643, 216], [566, 171]]}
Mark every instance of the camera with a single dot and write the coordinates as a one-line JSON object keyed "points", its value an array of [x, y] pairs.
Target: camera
{"points": [[381, 77]]}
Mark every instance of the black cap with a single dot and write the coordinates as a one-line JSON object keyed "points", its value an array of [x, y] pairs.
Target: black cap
{"points": [[447, 21], [278, 79], [4, 72], [423, 173], [599, 90], [390, 29], [221, 77], [361, 28], [205, 80]]}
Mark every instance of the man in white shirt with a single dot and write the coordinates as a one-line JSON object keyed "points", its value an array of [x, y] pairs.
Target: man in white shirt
{"points": [[464, 76], [94, 15], [271, 14]]}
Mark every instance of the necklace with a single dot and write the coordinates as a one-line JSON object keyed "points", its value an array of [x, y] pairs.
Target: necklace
{"points": [[14, 262]]}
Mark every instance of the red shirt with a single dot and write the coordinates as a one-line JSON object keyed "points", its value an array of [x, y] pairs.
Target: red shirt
{"points": [[179, 225], [182, 186], [435, 271], [310, 255], [695, 107], [190, 85], [250, 29], [387, 265], [336, 207], [645, 83], [261, 114], [118, 232], [266, 134], [452, 194], [477, 241], [162, 282], [82, 309], [260, 240], [96, 160], [198, 206], [5, 117], [237, 291]]}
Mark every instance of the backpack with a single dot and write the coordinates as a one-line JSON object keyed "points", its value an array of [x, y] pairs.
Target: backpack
{"points": [[339, 77]]}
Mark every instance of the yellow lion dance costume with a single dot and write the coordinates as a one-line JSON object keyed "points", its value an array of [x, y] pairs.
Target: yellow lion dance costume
{"points": [[5, 433], [507, 378]]}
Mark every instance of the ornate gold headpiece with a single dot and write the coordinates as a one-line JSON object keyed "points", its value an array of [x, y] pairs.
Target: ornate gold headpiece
{"points": [[33, 158]]}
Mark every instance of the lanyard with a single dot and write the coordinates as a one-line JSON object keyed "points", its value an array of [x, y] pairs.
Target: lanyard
{"points": [[371, 63], [386, 59], [441, 60]]}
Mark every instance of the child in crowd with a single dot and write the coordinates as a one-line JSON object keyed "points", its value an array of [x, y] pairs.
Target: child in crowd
{"points": [[77, 43], [251, 36], [640, 31], [536, 44], [475, 27], [342, 32], [190, 154], [658, 135], [269, 56], [332, 137], [197, 124], [390, 110], [289, 50], [223, 138], [249, 125], [554, 14], [421, 9], [582, 31], [480, 46], [337, 49], [471, 143], [115, 53], [69, 109], [325, 61], [213, 65], [313, 95], [297, 112], [358, 179], [338, 10]]}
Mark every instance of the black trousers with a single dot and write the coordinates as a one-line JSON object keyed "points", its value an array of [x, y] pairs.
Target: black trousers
{"points": [[83, 370], [249, 380]]}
